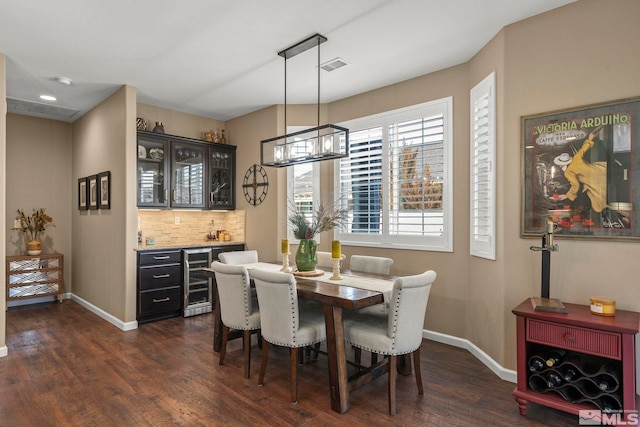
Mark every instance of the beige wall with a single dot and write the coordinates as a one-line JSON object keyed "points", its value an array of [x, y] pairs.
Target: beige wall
{"points": [[103, 240], [263, 224], [3, 190], [39, 169], [178, 123]]}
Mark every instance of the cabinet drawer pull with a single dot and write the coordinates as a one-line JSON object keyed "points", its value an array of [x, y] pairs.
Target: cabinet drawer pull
{"points": [[161, 276], [162, 257], [161, 300]]}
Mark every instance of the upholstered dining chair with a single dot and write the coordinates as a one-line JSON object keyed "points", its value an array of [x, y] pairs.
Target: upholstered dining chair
{"points": [[238, 257], [399, 332], [325, 260], [370, 264], [238, 310], [282, 323]]}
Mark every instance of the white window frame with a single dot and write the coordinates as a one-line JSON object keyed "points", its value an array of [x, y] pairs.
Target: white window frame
{"points": [[290, 188], [443, 243], [482, 205]]}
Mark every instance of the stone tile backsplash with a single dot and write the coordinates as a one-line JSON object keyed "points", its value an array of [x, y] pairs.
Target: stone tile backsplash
{"points": [[173, 227]]}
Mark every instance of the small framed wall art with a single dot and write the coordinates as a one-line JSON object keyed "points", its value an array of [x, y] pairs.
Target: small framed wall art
{"points": [[104, 193], [92, 184], [82, 194]]}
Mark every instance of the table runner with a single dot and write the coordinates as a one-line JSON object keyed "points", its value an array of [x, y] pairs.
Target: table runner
{"points": [[385, 286]]}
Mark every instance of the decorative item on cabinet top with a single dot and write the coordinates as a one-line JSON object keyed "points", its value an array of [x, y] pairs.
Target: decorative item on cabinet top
{"points": [[159, 128], [141, 124]]}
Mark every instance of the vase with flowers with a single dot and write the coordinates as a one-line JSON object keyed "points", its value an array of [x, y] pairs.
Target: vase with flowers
{"points": [[305, 228], [32, 225]]}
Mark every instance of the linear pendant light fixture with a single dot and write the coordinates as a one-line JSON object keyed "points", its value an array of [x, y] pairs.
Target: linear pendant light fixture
{"points": [[324, 142]]}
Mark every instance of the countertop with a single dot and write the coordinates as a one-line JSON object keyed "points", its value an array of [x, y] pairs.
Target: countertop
{"points": [[207, 244]]}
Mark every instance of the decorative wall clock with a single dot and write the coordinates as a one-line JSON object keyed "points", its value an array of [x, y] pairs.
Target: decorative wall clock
{"points": [[255, 185]]}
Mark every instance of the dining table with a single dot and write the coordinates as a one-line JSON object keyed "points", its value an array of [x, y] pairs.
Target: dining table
{"points": [[353, 292]]}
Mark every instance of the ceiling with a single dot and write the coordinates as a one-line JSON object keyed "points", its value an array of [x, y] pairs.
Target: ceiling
{"points": [[218, 58]]}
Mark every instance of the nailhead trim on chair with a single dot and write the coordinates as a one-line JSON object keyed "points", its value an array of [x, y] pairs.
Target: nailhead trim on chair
{"points": [[393, 335]]}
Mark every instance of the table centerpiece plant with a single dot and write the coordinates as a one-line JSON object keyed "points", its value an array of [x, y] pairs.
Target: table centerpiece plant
{"points": [[306, 226], [32, 225]]}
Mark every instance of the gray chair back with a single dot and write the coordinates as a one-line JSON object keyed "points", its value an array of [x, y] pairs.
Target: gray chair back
{"points": [[370, 264], [279, 313], [278, 296], [325, 260], [407, 309], [238, 257], [237, 309]]}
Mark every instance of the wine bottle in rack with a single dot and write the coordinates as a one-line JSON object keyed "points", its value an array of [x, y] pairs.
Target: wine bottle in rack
{"points": [[569, 373], [536, 363], [607, 379], [553, 379], [555, 357]]}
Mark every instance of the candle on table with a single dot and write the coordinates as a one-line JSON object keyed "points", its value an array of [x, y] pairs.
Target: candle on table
{"points": [[285, 246], [335, 249]]}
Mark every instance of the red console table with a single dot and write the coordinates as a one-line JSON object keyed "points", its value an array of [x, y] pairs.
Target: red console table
{"points": [[590, 344]]}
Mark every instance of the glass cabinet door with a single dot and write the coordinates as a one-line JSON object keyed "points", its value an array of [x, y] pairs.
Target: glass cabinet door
{"points": [[221, 178], [187, 175], [152, 168]]}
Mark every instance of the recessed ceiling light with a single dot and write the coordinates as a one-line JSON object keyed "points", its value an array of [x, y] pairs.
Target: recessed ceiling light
{"points": [[48, 97], [64, 81]]}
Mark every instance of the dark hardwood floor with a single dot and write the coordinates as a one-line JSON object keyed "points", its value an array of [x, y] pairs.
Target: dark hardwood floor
{"points": [[68, 367]]}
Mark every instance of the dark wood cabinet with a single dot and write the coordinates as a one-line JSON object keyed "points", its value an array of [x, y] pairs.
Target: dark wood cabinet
{"points": [[153, 170], [179, 172], [590, 348], [165, 284], [159, 285], [221, 177]]}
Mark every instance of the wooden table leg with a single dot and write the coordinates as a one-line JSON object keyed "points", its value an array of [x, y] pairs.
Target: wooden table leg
{"points": [[336, 355], [217, 325]]}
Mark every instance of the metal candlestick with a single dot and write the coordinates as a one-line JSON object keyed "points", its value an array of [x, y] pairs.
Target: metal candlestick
{"points": [[336, 269], [285, 263]]}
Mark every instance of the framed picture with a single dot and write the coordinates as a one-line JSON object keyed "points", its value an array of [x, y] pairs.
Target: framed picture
{"points": [[580, 171], [92, 189], [82, 194], [104, 187]]}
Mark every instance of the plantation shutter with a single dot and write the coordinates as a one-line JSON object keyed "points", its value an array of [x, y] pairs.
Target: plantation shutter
{"points": [[483, 174], [417, 165], [361, 181]]}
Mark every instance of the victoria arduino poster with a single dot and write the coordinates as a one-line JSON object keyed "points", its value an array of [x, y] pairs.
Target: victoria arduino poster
{"points": [[581, 170]]}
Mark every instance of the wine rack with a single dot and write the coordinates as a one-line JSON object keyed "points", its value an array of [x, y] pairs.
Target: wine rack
{"points": [[589, 351], [578, 379]]}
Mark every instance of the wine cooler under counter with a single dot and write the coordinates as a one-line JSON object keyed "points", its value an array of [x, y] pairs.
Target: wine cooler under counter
{"points": [[198, 295]]}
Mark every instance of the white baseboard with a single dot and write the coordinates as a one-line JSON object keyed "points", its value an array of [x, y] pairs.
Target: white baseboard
{"points": [[4, 351], [505, 374], [125, 326]]}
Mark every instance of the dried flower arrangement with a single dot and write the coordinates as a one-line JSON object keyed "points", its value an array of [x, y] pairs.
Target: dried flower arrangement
{"points": [[34, 224], [325, 218]]}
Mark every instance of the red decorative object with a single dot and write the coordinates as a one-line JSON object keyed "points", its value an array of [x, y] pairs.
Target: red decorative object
{"points": [[584, 335]]}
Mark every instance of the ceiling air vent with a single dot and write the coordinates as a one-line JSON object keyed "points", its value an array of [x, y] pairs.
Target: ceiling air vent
{"points": [[334, 64], [39, 109]]}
